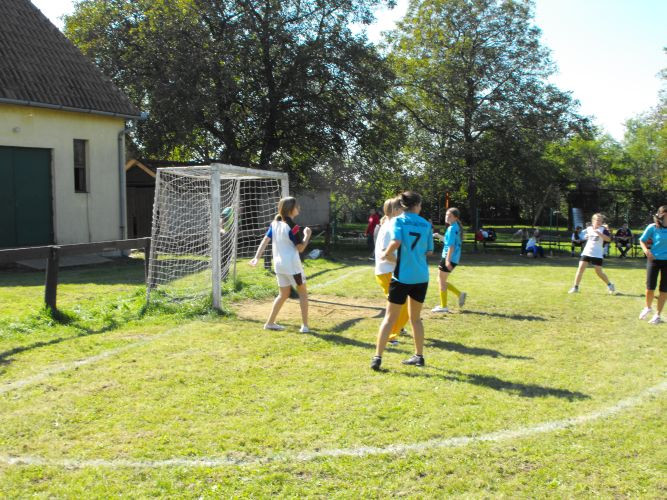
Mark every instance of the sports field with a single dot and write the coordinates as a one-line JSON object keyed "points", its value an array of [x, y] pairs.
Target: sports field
{"points": [[527, 391]]}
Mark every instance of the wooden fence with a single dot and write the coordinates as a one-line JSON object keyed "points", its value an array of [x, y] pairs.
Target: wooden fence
{"points": [[53, 253]]}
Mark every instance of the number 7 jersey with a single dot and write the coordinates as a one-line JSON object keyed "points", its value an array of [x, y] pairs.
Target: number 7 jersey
{"points": [[416, 236]]}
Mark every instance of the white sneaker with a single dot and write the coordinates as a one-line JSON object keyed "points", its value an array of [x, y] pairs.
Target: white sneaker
{"points": [[462, 299], [440, 309], [656, 320], [304, 329], [611, 288], [645, 312], [273, 326], [574, 289]]}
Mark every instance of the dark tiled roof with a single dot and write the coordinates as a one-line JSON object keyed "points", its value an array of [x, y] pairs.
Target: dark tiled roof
{"points": [[38, 64]]}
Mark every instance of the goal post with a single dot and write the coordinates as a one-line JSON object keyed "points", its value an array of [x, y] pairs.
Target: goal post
{"points": [[204, 219]]}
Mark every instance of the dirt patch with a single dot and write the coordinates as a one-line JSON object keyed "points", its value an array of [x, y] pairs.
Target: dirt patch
{"points": [[327, 307]]}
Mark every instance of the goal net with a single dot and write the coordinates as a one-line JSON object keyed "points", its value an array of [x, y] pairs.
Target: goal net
{"points": [[204, 219]]}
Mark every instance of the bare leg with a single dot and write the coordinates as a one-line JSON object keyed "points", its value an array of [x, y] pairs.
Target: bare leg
{"points": [[601, 274], [303, 302], [415, 309], [580, 272], [391, 316], [283, 295], [662, 298], [650, 295]]}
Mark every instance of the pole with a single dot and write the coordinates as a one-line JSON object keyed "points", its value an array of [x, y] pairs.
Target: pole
{"points": [[51, 285], [215, 235]]}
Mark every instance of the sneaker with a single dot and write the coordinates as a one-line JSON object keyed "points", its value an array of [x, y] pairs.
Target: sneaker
{"points": [[393, 342], [440, 309], [645, 312], [304, 329], [611, 288], [376, 362], [273, 326], [656, 320], [574, 289], [415, 360], [462, 299]]}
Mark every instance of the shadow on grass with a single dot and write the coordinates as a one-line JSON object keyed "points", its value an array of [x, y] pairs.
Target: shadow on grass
{"points": [[325, 271], [498, 384], [355, 306], [519, 317], [473, 351]]}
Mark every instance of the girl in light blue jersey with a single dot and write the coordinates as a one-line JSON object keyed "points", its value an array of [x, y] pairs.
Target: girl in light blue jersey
{"points": [[451, 254], [654, 245], [412, 239]]}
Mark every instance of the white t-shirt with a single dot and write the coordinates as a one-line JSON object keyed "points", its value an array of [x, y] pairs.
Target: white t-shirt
{"points": [[285, 254], [383, 266], [594, 242]]}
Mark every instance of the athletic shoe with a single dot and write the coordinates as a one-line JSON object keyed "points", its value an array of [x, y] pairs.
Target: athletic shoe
{"points": [[574, 289], [393, 342], [304, 329], [415, 360], [656, 320], [376, 362], [611, 288], [462, 299], [645, 312], [273, 326], [440, 309]]}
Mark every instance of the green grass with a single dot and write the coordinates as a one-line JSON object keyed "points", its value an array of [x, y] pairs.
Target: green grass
{"points": [[191, 384]]}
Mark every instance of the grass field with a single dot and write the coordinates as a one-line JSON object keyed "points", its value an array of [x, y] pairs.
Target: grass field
{"points": [[527, 392]]}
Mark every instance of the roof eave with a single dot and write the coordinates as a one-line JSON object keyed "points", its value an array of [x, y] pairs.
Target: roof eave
{"points": [[60, 107]]}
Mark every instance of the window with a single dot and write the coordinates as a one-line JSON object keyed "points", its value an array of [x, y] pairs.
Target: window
{"points": [[80, 165]]}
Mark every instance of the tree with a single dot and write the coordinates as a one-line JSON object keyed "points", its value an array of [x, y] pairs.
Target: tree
{"points": [[469, 69], [273, 83]]}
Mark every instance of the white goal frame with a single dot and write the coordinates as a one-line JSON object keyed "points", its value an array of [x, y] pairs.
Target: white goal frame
{"points": [[212, 173]]}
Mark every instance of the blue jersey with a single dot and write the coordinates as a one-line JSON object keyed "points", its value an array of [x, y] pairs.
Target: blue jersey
{"points": [[453, 240], [416, 237], [659, 237]]}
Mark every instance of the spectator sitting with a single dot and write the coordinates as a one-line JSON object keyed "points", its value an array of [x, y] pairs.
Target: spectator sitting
{"points": [[533, 248], [578, 240], [623, 240], [490, 234]]}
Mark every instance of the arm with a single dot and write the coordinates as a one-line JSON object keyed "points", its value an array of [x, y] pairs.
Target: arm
{"points": [[307, 232], [603, 236], [388, 253], [260, 251]]}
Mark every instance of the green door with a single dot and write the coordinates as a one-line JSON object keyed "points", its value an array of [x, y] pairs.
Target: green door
{"points": [[25, 197]]}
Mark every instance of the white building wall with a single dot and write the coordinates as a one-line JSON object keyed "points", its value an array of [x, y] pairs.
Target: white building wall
{"points": [[78, 217]]}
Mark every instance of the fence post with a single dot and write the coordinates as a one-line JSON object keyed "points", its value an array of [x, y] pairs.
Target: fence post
{"points": [[147, 258], [51, 286]]}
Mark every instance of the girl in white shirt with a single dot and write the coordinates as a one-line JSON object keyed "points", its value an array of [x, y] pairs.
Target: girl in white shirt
{"points": [[288, 242], [593, 253], [384, 268]]}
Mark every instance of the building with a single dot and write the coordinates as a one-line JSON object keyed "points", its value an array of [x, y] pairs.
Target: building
{"points": [[62, 134]]}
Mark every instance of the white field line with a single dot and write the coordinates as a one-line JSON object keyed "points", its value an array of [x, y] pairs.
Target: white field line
{"points": [[64, 367], [395, 449], [336, 280]]}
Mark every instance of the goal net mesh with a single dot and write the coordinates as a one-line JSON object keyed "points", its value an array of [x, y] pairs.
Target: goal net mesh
{"points": [[183, 243]]}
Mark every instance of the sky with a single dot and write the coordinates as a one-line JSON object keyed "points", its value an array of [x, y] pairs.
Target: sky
{"points": [[608, 52]]}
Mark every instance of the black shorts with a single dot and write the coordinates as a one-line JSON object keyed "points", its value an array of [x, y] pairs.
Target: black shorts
{"points": [[596, 261], [443, 267], [399, 292], [653, 268]]}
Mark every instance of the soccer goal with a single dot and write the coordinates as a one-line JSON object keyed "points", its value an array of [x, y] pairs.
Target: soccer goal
{"points": [[204, 219]]}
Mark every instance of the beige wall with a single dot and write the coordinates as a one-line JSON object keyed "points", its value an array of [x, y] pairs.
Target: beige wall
{"points": [[78, 217]]}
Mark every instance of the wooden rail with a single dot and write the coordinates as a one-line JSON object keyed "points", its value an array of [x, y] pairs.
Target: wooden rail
{"points": [[53, 253]]}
